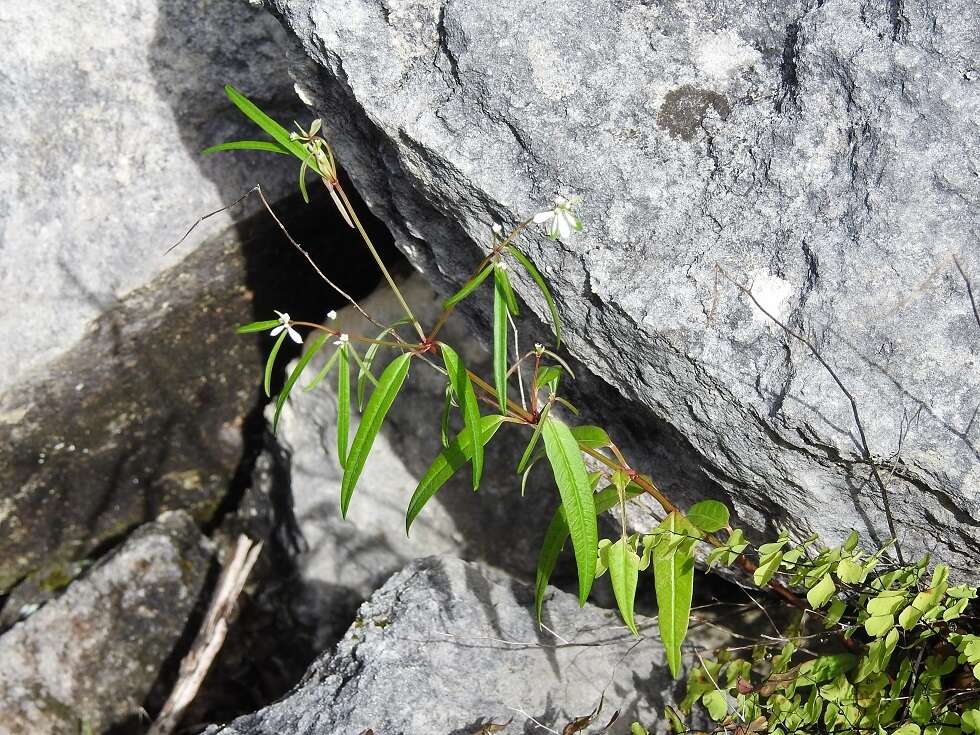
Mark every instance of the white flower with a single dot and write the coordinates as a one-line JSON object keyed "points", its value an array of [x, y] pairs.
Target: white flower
{"points": [[561, 220], [342, 339], [284, 323], [497, 229], [501, 266], [331, 315]]}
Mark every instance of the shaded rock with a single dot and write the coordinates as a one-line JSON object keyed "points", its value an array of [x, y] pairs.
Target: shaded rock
{"points": [[119, 399], [446, 646], [824, 153], [89, 658]]}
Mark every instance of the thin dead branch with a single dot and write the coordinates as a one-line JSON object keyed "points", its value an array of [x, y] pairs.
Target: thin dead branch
{"points": [[210, 637]]}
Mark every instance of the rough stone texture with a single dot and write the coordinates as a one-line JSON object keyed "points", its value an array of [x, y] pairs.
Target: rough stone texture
{"points": [[446, 646], [90, 657], [825, 153], [119, 397], [107, 107]]}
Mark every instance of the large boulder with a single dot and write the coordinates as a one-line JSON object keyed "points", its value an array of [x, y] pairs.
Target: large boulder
{"points": [[822, 154], [448, 646], [124, 392], [85, 662]]}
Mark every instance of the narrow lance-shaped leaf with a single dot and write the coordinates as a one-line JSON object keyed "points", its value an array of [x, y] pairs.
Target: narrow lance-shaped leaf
{"points": [[324, 371], [302, 179], [343, 402], [304, 360], [263, 326], [270, 363], [468, 287], [247, 145], [543, 287], [624, 571], [463, 388], [535, 435], [554, 539], [364, 374], [445, 465], [500, 345], [673, 572], [576, 498], [500, 277], [447, 405], [277, 131], [389, 384]]}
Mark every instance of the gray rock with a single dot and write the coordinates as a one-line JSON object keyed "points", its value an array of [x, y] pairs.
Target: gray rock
{"points": [[446, 646], [825, 153], [108, 105], [89, 658], [121, 396]]}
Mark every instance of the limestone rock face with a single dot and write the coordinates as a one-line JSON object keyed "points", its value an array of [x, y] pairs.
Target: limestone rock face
{"points": [[122, 392], [823, 154], [89, 658], [447, 646]]}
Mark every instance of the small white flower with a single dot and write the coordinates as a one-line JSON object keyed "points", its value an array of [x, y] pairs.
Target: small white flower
{"points": [[497, 229], [342, 339], [331, 315], [501, 266], [284, 323], [561, 220]]}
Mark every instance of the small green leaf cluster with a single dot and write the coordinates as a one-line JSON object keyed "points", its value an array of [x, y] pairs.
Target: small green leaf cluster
{"points": [[879, 648]]}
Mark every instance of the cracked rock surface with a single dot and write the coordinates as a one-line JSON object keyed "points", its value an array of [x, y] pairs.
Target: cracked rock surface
{"points": [[86, 661], [447, 646], [824, 154]]}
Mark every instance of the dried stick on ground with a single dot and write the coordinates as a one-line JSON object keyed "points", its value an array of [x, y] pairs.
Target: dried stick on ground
{"points": [[210, 637]]}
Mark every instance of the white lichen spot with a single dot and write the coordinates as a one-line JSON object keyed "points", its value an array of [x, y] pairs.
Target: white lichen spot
{"points": [[553, 79], [304, 96], [773, 294], [721, 54]]}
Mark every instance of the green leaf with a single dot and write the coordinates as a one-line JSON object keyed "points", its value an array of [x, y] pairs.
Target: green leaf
{"points": [[500, 345], [673, 572], [324, 371], [447, 405], [302, 179], [768, 565], [535, 435], [624, 570], [822, 591], [708, 515], [445, 465], [591, 436], [716, 702], [576, 498], [343, 403], [543, 287], [468, 287], [247, 145], [850, 572], [389, 384], [548, 375], [270, 126], [501, 280], [554, 539], [463, 388], [264, 326], [364, 373], [270, 363], [304, 360]]}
